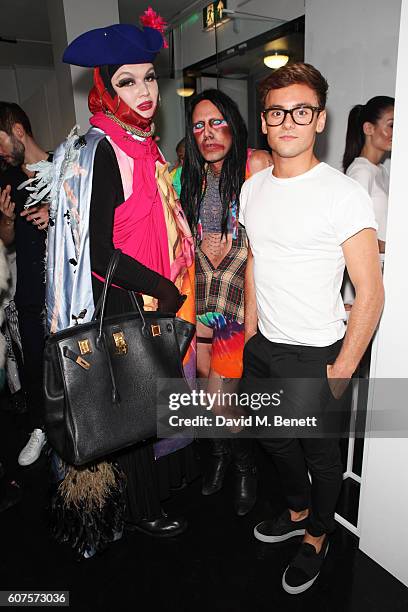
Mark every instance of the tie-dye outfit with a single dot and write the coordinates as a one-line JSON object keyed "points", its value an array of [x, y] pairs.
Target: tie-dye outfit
{"points": [[220, 290]]}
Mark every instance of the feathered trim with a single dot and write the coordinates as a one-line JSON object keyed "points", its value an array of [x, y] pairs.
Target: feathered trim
{"points": [[69, 167], [45, 185], [41, 185], [88, 507], [151, 19], [88, 488]]}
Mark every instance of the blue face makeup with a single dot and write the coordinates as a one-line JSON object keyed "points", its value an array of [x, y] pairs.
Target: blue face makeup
{"points": [[213, 123]]}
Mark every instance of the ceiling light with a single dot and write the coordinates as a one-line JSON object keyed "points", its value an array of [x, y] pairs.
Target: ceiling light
{"points": [[185, 92], [276, 60]]}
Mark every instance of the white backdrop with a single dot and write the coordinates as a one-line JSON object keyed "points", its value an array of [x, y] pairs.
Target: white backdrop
{"points": [[384, 493]]}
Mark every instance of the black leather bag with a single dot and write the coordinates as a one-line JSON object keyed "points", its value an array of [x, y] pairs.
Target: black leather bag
{"points": [[100, 378]]}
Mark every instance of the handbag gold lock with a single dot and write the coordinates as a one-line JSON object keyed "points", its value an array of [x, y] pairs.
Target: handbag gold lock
{"points": [[83, 363], [156, 331], [120, 343], [84, 346]]}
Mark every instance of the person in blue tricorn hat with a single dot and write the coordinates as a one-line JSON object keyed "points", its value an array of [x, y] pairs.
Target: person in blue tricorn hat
{"points": [[114, 192]]}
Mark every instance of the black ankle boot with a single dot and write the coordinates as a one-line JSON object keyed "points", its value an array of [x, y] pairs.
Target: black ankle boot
{"points": [[245, 476], [221, 458], [245, 490]]}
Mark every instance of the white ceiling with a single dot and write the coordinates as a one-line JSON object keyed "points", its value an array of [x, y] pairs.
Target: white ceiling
{"points": [[251, 63], [28, 20], [129, 10]]}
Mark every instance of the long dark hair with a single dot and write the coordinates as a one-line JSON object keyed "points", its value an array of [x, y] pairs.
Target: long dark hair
{"points": [[233, 168], [359, 114]]}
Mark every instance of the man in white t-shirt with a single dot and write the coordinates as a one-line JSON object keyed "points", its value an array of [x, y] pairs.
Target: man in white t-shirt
{"points": [[305, 221]]}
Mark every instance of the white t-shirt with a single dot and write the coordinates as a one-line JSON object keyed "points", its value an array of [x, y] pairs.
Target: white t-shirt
{"points": [[295, 228], [376, 181]]}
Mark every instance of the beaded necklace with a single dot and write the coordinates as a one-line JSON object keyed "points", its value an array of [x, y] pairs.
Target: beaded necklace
{"points": [[130, 128]]}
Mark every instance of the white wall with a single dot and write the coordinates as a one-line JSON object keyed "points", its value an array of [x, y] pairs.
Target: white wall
{"points": [[69, 19], [56, 17], [80, 17], [192, 44], [35, 90], [354, 45], [234, 88], [384, 492], [170, 119], [9, 91]]}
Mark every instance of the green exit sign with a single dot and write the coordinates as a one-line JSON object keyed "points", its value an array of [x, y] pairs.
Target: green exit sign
{"points": [[214, 14]]}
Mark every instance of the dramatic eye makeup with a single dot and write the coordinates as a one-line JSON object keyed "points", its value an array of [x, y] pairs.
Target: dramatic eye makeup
{"points": [[127, 81], [150, 77], [214, 123], [198, 127]]}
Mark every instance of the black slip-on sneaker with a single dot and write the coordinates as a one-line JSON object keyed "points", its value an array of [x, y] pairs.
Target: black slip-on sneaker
{"points": [[304, 569], [280, 528]]}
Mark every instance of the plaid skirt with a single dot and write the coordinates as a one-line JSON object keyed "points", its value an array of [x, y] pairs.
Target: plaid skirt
{"points": [[220, 305]]}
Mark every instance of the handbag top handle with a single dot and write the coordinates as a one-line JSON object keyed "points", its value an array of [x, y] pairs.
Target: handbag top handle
{"points": [[101, 305]]}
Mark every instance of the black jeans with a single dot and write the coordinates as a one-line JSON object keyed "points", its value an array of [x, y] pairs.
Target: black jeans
{"points": [[295, 457]]}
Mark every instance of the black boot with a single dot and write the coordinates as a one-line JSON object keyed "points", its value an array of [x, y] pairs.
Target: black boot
{"points": [[221, 458], [162, 527], [245, 475]]}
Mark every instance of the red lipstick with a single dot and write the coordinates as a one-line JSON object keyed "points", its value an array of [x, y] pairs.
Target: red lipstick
{"points": [[213, 147], [145, 106]]}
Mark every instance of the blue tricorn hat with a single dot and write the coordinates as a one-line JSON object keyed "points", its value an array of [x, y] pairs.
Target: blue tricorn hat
{"points": [[115, 44]]}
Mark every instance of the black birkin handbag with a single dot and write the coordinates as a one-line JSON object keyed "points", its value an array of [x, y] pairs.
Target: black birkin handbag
{"points": [[100, 378]]}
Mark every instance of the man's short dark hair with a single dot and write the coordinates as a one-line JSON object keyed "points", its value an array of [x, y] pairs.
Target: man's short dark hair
{"points": [[296, 74], [10, 114]]}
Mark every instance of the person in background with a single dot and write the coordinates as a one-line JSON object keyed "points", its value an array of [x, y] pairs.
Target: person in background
{"points": [[175, 174], [10, 491], [26, 228], [368, 141], [216, 163], [180, 152]]}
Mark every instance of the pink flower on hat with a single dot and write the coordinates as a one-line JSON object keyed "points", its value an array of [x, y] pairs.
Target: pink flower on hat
{"points": [[151, 19]]}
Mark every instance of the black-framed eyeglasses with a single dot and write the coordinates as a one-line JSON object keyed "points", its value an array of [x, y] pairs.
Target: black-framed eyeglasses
{"points": [[301, 115]]}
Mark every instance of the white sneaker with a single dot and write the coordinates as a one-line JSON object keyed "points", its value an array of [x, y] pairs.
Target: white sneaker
{"points": [[89, 553], [32, 449]]}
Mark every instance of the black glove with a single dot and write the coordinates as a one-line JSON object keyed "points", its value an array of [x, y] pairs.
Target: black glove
{"points": [[170, 299]]}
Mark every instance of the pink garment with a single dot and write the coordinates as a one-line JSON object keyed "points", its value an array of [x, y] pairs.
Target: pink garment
{"points": [[139, 226]]}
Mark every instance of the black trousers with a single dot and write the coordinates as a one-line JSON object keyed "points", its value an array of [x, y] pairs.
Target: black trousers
{"points": [[32, 333], [295, 457]]}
